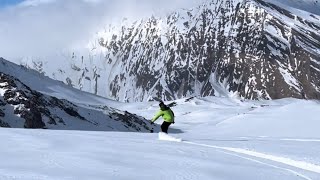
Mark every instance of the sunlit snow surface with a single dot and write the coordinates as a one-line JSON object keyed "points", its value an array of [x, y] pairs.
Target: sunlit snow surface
{"points": [[221, 139]]}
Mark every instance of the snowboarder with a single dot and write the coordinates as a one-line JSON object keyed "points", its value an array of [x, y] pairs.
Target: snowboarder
{"points": [[167, 115]]}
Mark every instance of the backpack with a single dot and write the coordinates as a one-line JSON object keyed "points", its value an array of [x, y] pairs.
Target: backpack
{"points": [[172, 112]]}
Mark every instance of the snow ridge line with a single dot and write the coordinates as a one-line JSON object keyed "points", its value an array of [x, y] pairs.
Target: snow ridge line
{"points": [[295, 163]]}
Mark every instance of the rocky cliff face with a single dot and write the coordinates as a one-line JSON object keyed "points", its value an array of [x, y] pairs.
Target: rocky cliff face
{"points": [[251, 49], [20, 106]]}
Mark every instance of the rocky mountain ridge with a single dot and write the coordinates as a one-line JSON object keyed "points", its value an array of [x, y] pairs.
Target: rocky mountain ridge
{"points": [[251, 49], [23, 107]]}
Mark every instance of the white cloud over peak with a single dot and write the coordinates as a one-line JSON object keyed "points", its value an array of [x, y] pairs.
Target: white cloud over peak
{"points": [[42, 27]]}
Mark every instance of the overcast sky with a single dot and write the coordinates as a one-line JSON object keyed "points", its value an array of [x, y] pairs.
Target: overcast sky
{"points": [[40, 27]]}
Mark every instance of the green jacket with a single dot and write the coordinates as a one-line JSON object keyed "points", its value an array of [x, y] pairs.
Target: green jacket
{"points": [[167, 115]]}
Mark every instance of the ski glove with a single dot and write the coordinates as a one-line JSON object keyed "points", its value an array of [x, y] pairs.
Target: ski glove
{"points": [[151, 122]]}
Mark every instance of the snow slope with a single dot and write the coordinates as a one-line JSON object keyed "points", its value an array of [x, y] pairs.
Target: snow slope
{"points": [[49, 86], [30, 100], [222, 139]]}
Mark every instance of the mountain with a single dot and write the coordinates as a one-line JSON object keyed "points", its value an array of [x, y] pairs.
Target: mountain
{"points": [[37, 102], [253, 49]]}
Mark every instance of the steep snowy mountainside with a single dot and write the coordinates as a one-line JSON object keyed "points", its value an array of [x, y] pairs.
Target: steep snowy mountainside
{"points": [[311, 6], [252, 49], [36, 105], [48, 86]]}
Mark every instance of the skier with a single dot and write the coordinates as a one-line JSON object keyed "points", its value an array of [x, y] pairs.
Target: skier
{"points": [[167, 115]]}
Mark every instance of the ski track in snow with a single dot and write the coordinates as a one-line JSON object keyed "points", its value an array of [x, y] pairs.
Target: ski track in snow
{"points": [[270, 165], [239, 152], [300, 140], [298, 164], [232, 124]]}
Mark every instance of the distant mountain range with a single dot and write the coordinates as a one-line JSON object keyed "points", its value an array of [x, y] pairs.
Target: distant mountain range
{"points": [[253, 49]]}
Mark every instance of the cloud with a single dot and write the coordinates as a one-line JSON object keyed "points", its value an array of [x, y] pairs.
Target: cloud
{"points": [[35, 2], [42, 27]]}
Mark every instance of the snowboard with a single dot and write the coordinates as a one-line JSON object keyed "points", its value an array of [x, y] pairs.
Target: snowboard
{"points": [[166, 137]]}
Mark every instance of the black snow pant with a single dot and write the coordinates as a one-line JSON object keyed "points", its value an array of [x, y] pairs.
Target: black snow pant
{"points": [[164, 126]]}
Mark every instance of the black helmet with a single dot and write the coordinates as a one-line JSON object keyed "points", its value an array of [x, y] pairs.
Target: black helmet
{"points": [[163, 106]]}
